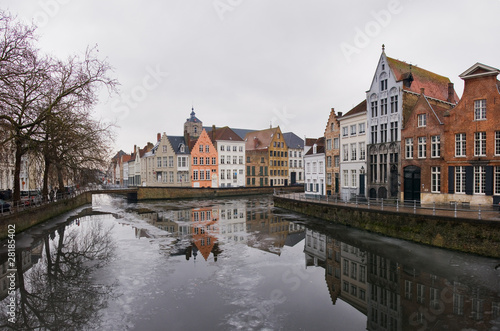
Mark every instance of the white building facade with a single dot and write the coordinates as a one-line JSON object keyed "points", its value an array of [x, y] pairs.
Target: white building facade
{"points": [[353, 143], [231, 163], [315, 179]]}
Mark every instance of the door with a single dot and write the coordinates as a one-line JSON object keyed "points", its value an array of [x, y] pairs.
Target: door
{"points": [[362, 185], [293, 177], [412, 183]]}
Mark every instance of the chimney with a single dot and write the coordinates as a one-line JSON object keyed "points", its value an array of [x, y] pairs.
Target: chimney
{"points": [[422, 90], [339, 114], [158, 136], [135, 148], [451, 93]]}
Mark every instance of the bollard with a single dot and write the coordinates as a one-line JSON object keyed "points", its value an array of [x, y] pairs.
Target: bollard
{"points": [[397, 205], [433, 208], [356, 200], [414, 206], [382, 204], [455, 209], [368, 203], [479, 212]]}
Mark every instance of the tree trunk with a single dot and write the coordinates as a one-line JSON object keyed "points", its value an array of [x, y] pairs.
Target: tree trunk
{"points": [[16, 197], [46, 171], [60, 178]]}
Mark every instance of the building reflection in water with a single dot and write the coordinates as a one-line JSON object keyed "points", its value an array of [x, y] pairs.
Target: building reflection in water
{"points": [[397, 295]]}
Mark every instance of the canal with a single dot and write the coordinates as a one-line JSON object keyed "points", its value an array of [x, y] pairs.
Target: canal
{"points": [[235, 264]]}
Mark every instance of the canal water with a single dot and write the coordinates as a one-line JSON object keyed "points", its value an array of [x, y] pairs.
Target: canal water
{"points": [[236, 264]]}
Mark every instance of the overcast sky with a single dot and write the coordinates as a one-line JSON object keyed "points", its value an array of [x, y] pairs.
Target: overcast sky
{"points": [[250, 63]]}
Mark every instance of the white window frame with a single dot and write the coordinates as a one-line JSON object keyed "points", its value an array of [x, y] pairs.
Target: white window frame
{"points": [[460, 179], [480, 110], [409, 148], [480, 143], [460, 145], [422, 147], [435, 146], [479, 180], [436, 179], [422, 120]]}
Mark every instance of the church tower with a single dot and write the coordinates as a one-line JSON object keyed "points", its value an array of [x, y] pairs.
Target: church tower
{"points": [[193, 125]]}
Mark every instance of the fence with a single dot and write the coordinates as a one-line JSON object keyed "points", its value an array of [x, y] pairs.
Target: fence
{"points": [[406, 206]]}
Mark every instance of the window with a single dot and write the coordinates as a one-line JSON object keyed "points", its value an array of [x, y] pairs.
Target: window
{"points": [[222, 159], [207, 174], [336, 144], [328, 144], [394, 104], [202, 160], [345, 152], [420, 293], [354, 178], [329, 161], [165, 149], [458, 304], [459, 179], [383, 85], [435, 146], [222, 148], [202, 175], [435, 179], [336, 161], [222, 174], [346, 177], [374, 108], [394, 131], [353, 152], [374, 134], [158, 162], [422, 120], [353, 130], [497, 180], [200, 148], [408, 286], [479, 179], [383, 106], [195, 174], [460, 144], [362, 151], [329, 178], [479, 143], [409, 148], [345, 131], [422, 153], [195, 160], [383, 133], [480, 109], [214, 161], [207, 149], [170, 161], [361, 128], [497, 143]]}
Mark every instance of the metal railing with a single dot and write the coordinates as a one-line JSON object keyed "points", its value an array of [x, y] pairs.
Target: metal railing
{"points": [[407, 206]]}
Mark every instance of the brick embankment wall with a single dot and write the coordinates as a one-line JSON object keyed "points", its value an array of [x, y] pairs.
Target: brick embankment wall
{"points": [[160, 193], [471, 236], [36, 215]]}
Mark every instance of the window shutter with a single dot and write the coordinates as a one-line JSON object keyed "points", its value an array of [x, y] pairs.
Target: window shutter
{"points": [[451, 180], [488, 190], [469, 180]]}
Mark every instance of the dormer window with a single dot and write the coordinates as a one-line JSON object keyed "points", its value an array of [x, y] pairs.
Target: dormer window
{"points": [[314, 149], [480, 109], [383, 85], [182, 148]]}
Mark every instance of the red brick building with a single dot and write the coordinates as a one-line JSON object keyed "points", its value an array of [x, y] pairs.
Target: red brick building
{"points": [[422, 141], [472, 151]]}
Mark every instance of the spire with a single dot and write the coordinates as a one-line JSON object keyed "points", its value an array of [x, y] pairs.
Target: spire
{"points": [[383, 48], [192, 112]]}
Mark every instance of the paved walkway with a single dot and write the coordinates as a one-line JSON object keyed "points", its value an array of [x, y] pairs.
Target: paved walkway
{"points": [[483, 213]]}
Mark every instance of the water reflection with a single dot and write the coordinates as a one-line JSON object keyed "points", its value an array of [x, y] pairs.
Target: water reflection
{"points": [[411, 288], [54, 287], [259, 270]]}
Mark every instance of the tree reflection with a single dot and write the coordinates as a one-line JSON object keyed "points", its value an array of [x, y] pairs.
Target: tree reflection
{"points": [[58, 293]]}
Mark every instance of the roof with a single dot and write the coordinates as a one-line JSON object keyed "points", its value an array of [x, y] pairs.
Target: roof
{"points": [[320, 147], [361, 107], [192, 117], [240, 132], [224, 133], [310, 141], [436, 86], [259, 139], [293, 141], [176, 142]]}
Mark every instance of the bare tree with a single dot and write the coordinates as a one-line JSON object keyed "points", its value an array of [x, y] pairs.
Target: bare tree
{"points": [[34, 88]]}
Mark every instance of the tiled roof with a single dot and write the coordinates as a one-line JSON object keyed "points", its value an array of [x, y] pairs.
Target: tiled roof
{"points": [[361, 107], [240, 132], [436, 86], [224, 133], [259, 139], [310, 141], [320, 146], [176, 142], [293, 141]]}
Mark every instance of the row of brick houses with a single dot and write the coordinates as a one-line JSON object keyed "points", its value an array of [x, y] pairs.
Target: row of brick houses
{"points": [[412, 138], [213, 157]]}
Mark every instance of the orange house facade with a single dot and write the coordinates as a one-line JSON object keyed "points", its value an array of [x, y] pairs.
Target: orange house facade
{"points": [[204, 162]]}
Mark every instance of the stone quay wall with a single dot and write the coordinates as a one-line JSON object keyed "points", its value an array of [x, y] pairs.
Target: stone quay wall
{"points": [[472, 236], [31, 216]]}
